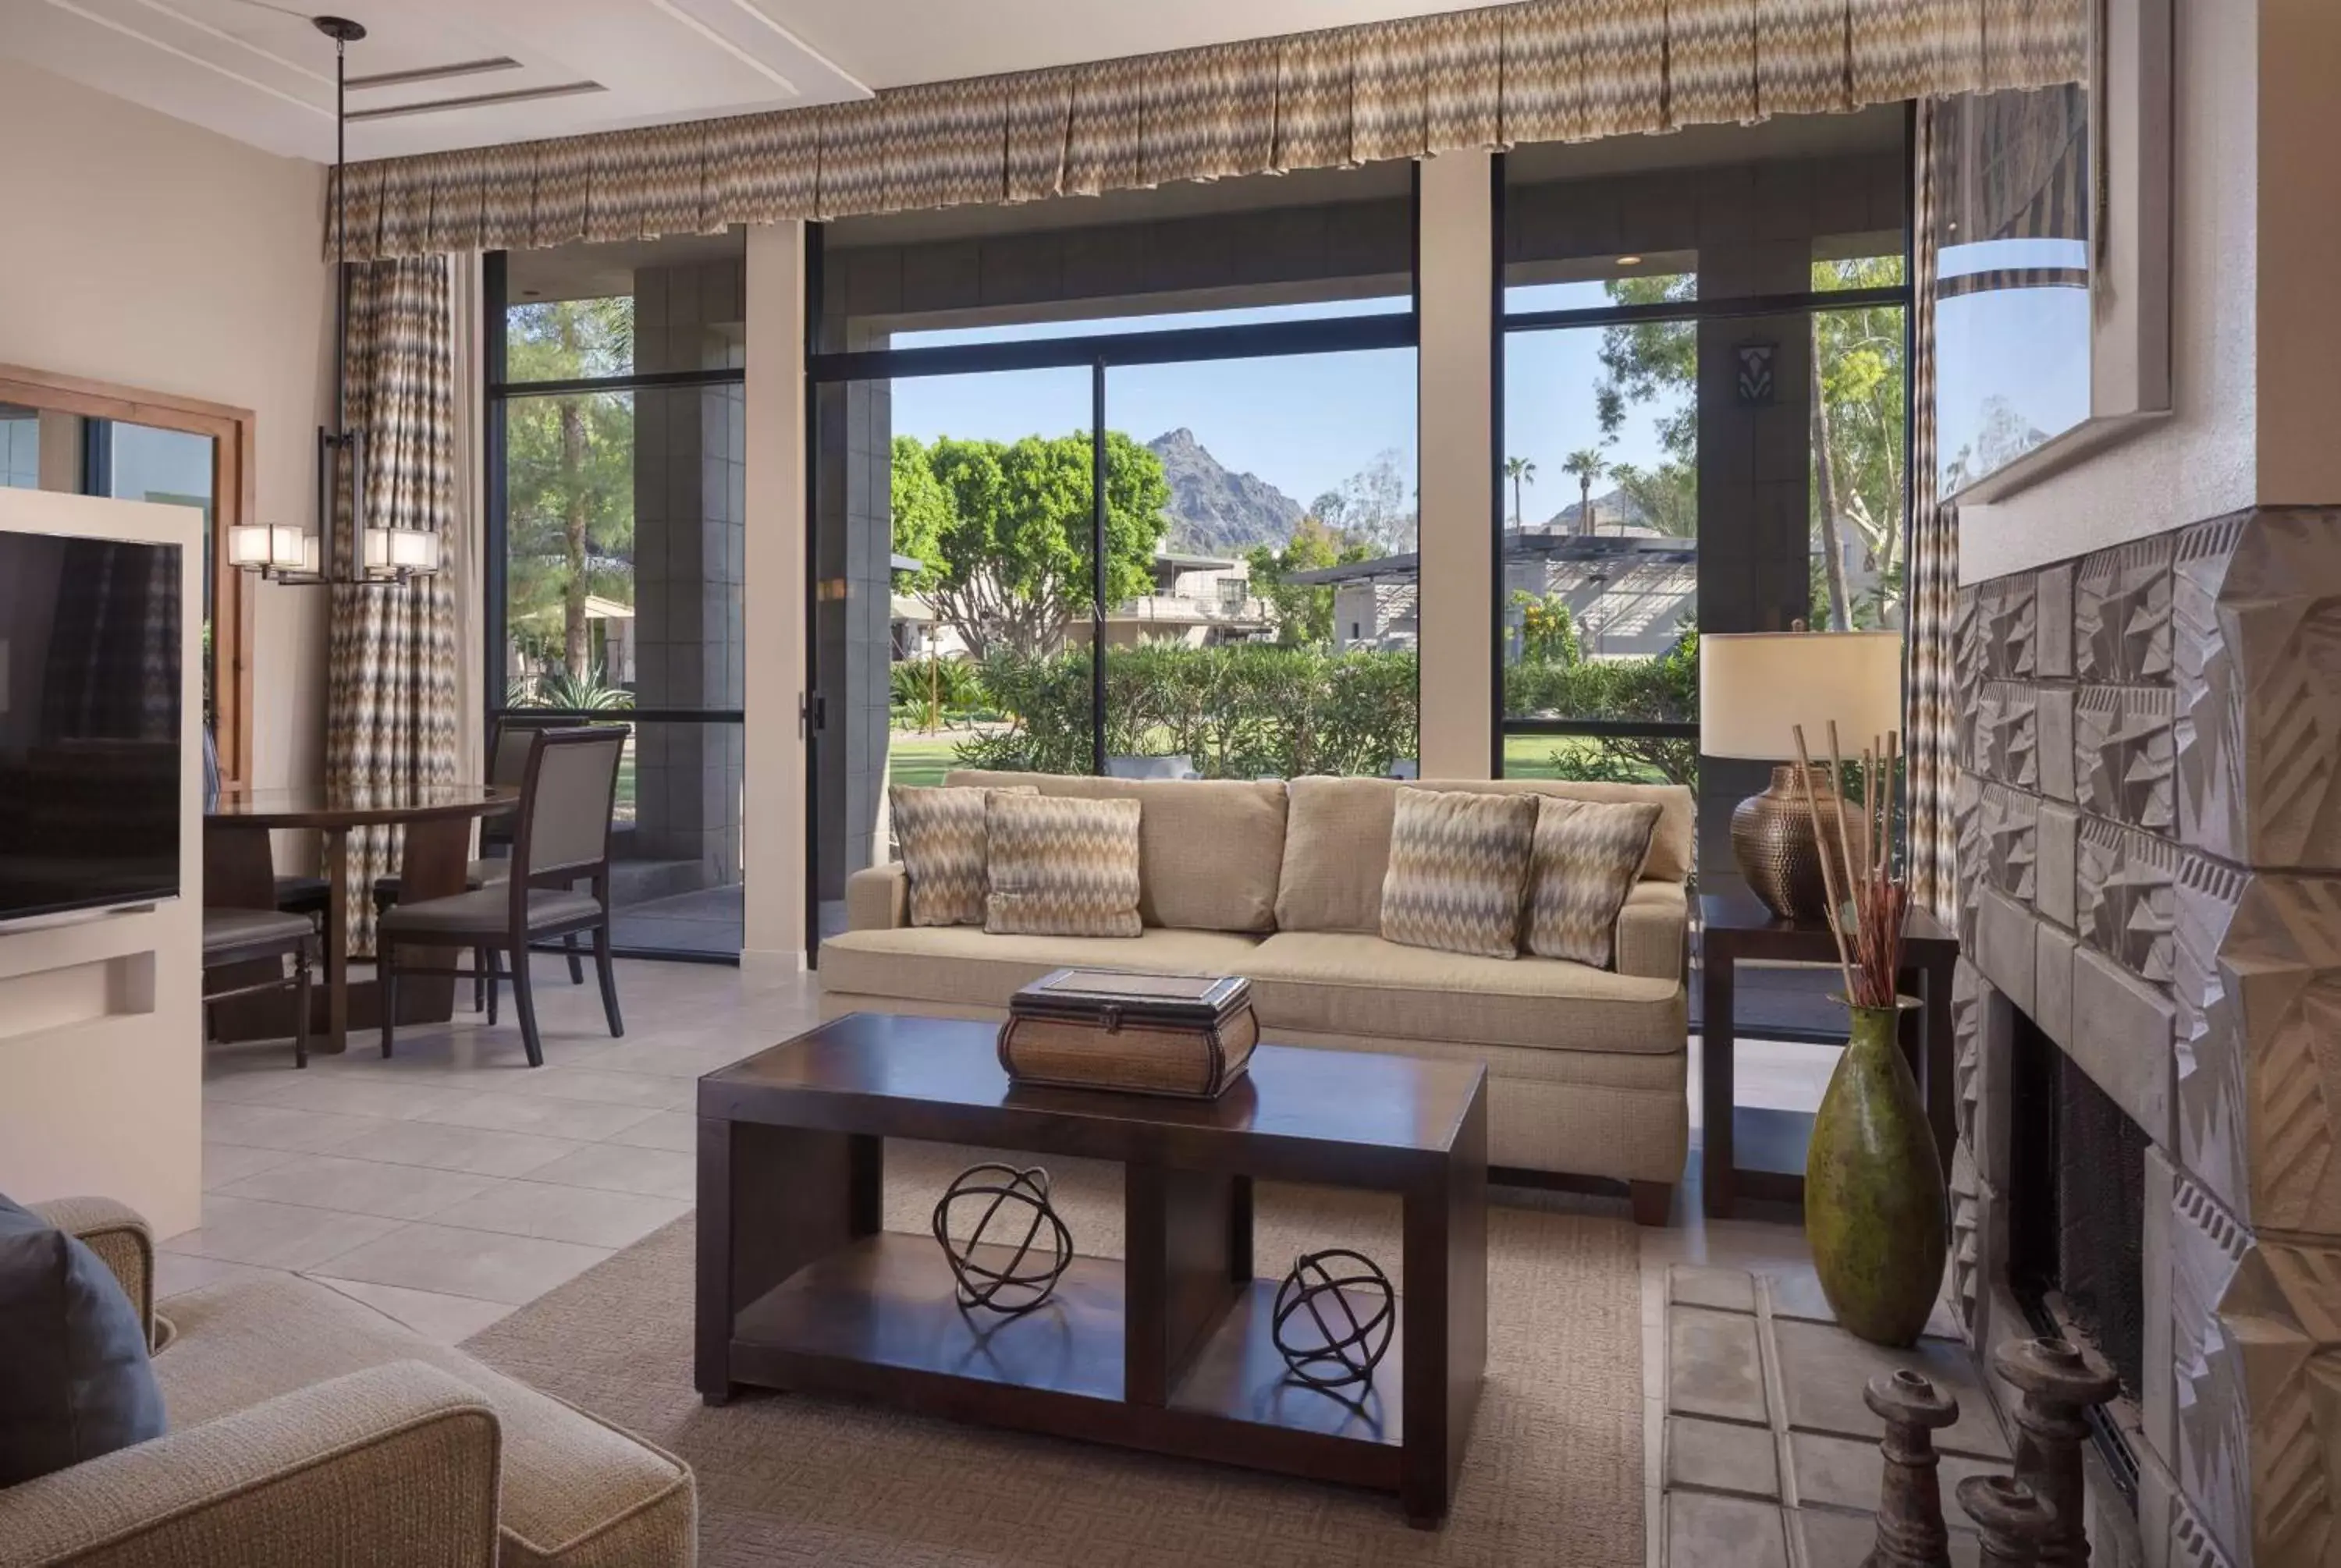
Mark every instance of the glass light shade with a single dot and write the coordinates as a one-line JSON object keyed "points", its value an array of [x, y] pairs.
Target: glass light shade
{"points": [[413, 550], [377, 549], [247, 545], [309, 557], [1756, 688], [290, 549]]}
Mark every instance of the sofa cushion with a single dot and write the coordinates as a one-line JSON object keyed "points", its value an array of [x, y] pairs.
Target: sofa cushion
{"points": [[1060, 867], [1209, 850], [941, 832], [1459, 868], [575, 1490], [1336, 841], [75, 1380], [1337, 982], [1589, 856], [960, 964]]}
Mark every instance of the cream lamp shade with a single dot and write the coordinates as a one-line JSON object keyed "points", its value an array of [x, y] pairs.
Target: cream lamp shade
{"points": [[1755, 686]]}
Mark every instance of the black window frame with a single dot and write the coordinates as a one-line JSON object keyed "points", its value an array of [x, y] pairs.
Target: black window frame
{"points": [[1099, 354], [497, 392], [1505, 323]]}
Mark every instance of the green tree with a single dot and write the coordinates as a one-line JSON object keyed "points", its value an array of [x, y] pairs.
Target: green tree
{"points": [[1519, 470], [1002, 531], [1303, 611], [1547, 631], [1859, 453], [570, 475], [1665, 496], [1584, 465]]}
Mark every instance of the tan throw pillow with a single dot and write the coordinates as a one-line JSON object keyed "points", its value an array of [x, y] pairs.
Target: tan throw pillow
{"points": [[941, 835], [1588, 857], [1459, 868], [1060, 866]]}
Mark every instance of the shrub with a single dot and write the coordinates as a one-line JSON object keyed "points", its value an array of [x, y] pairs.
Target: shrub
{"points": [[1240, 711], [931, 694]]}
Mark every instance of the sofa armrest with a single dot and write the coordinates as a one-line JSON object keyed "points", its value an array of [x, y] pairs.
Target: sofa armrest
{"points": [[1653, 931], [879, 898], [118, 1234], [397, 1464]]}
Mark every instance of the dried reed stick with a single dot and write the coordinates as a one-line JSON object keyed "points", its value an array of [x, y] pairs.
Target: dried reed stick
{"points": [[1829, 878]]}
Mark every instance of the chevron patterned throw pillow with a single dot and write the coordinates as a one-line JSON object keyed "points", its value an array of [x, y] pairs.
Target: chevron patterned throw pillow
{"points": [[942, 833], [1459, 871], [1060, 866], [1588, 857]]}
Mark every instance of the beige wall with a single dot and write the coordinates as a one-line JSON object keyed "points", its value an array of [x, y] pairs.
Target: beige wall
{"points": [[2256, 222], [774, 593], [139, 250], [101, 1044]]}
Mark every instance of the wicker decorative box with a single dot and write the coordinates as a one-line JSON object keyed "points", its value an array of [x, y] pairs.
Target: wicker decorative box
{"points": [[1183, 1035]]}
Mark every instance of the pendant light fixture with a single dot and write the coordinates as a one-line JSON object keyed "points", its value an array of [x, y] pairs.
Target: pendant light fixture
{"points": [[331, 552]]}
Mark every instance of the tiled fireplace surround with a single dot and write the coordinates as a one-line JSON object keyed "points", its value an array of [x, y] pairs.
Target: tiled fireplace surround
{"points": [[2149, 825]]}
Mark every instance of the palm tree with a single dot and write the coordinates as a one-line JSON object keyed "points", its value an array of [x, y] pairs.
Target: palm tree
{"points": [[1519, 470], [1585, 465]]}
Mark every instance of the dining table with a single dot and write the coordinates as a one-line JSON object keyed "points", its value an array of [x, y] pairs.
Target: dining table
{"points": [[435, 859]]}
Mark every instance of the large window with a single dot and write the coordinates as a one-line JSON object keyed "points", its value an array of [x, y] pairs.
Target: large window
{"points": [[1089, 478], [1703, 428], [617, 508]]}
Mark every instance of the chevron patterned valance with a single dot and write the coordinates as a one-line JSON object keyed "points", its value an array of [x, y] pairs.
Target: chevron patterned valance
{"points": [[1546, 71]]}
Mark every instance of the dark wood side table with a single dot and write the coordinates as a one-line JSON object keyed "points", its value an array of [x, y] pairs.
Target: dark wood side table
{"points": [[1756, 1152], [1167, 1350]]}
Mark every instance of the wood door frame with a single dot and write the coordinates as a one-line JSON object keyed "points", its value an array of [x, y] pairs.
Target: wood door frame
{"points": [[235, 500]]}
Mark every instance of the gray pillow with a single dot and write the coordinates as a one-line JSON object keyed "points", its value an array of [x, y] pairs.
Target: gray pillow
{"points": [[75, 1379]]}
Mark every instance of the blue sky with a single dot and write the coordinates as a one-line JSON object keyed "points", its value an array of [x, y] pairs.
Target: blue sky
{"points": [[2029, 346], [1304, 423]]}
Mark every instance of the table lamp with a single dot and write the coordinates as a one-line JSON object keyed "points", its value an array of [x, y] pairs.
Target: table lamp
{"points": [[1754, 689]]}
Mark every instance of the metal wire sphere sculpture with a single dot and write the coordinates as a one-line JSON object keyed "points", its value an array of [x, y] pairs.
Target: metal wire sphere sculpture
{"points": [[1029, 1274], [1327, 1289]]}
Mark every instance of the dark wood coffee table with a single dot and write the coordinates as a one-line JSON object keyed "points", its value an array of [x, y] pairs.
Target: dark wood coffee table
{"points": [[1167, 1350]]}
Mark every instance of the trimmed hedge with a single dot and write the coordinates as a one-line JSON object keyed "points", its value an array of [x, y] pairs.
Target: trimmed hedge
{"points": [[1254, 709]]}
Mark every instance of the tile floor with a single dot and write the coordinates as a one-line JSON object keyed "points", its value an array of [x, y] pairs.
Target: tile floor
{"points": [[452, 1184]]}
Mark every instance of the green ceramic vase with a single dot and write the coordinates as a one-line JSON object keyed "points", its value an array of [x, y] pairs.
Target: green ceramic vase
{"points": [[1875, 1211]]}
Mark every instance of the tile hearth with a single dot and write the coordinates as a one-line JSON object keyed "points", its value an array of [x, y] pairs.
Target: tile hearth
{"points": [[1768, 1456]]}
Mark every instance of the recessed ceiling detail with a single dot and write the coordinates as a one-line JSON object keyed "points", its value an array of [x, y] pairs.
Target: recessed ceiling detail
{"points": [[256, 70]]}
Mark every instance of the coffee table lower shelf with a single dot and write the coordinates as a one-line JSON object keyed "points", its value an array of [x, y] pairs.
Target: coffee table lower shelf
{"points": [[877, 1319]]}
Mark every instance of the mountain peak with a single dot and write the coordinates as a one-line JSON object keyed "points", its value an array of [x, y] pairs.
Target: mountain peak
{"points": [[1213, 510]]}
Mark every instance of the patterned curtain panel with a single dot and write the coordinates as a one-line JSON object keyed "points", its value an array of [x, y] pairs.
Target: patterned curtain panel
{"points": [[1550, 70], [391, 694], [1930, 718]]}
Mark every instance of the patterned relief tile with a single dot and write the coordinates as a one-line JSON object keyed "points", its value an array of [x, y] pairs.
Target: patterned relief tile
{"points": [[2125, 898], [2256, 1347], [1967, 825], [2121, 612], [2122, 747], [2052, 637], [2010, 819], [2006, 736], [2006, 613], [2259, 992], [2257, 615]]}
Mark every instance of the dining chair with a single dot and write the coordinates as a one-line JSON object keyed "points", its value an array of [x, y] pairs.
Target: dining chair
{"points": [[507, 762], [560, 838], [237, 937]]}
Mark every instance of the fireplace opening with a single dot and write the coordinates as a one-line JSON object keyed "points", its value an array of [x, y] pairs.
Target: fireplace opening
{"points": [[2076, 1219]]}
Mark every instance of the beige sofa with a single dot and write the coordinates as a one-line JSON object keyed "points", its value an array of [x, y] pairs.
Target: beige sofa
{"points": [[1282, 883], [307, 1430]]}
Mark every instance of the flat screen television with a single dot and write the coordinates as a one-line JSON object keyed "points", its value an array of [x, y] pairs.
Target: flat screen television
{"points": [[90, 662]]}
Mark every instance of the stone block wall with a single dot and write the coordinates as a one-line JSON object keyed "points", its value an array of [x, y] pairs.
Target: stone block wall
{"points": [[2149, 831]]}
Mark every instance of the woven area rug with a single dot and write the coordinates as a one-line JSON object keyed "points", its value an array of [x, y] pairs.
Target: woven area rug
{"points": [[1552, 1476]]}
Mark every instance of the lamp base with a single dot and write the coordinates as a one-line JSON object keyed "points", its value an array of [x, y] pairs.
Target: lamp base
{"points": [[1772, 838]]}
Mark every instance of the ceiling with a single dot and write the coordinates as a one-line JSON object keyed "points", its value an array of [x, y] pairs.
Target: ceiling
{"points": [[473, 72]]}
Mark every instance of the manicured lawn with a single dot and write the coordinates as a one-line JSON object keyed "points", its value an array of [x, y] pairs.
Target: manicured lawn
{"points": [[1537, 755], [918, 760]]}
